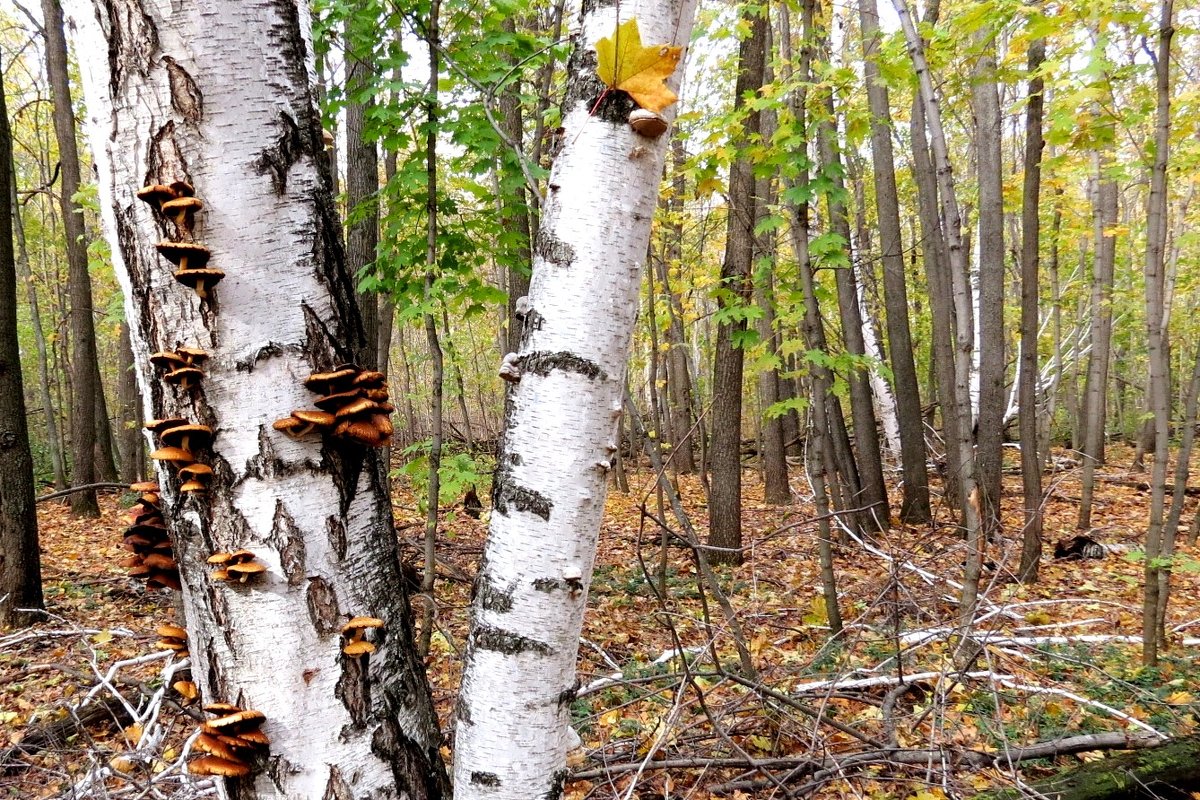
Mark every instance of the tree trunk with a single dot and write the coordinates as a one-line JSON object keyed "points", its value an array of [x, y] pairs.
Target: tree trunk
{"points": [[1031, 462], [989, 423], [129, 417], [915, 505], [1156, 328], [679, 369], [218, 95], [362, 179], [561, 427], [106, 449], [20, 558], [24, 276], [84, 385], [514, 210], [725, 500]]}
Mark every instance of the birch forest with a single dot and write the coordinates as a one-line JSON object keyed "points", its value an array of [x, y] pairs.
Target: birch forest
{"points": [[624, 399]]}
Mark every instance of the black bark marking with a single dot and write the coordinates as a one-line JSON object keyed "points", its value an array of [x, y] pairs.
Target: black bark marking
{"points": [[492, 597], [277, 159], [186, 97], [165, 161], [337, 788], [586, 87], [553, 249], [354, 688], [488, 637], [547, 585], [557, 782], [506, 493], [346, 460], [568, 695], [266, 351], [532, 322], [335, 528], [132, 40], [323, 606], [489, 779], [216, 601], [412, 764], [289, 540], [319, 340], [543, 362]]}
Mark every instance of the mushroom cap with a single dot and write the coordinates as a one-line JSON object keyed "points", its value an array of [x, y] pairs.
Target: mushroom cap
{"points": [[186, 689], [242, 720], [196, 471], [291, 426], [241, 556], [219, 558], [359, 405], [197, 255], [171, 644], [321, 418], [160, 425], [370, 379], [383, 424], [139, 571], [222, 709], [159, 561], [156, 194], [647, 123], [144, 486], [360, 431], [194, 434], [183, 374], [378, 395], [221, 574], [172, 632], [318, 381], [332, 402], [167, 358], [358, 648], [193, 278], [247, 570], [212, 743], [212, 765], [193, 486], [249, 740], [173, 454], [362, 624], [182, 204], [168, 579], [193, 355], [182, 189]]}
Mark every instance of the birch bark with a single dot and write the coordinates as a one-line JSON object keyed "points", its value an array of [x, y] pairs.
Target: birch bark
{"points": [[219, 94], [561, 424]]}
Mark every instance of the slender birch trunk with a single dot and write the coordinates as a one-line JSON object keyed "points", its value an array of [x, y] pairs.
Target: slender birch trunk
{"points": [[561, 427], [220, 95]]}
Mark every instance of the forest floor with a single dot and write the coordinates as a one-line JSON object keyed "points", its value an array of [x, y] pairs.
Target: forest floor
{"points": [[664, 708]]}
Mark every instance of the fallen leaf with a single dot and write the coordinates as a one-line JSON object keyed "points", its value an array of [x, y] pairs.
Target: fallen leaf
{"points": [[641, 72]]}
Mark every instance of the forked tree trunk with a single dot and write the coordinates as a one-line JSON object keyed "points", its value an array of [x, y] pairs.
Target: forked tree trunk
{"points": [[561, 428], [20, 558], [218, 94]]}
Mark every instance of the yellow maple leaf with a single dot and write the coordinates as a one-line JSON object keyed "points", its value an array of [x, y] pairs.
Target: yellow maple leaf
{"points": [[641, 72]]}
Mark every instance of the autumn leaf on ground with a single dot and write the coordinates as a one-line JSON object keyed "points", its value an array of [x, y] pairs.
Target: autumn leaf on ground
{"points": [[641, 72]]}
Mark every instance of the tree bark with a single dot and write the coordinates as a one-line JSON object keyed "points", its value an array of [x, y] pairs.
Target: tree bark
{"points": [[562, 415], [514, 210], [725, 499], [84, 385], [219, 95], [20, 557], [1031, 462], [362, 179]]}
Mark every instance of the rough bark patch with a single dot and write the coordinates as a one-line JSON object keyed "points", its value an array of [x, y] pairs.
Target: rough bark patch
{"points": [[165, 161], [289, 540], [186, 97], [132, 42], [553, 249], [337, 788], [521, 498], [586, 87], [489, 779], [411, 763], [557, 782], [322, 606], [354, 688], [492, 598], [335, 529], [507, 642], [543, 362], [276, 160]]}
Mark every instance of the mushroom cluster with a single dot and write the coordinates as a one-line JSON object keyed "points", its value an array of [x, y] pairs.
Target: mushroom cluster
{"points": [[237, 566], [354, 630], [178, 203], [232, 742], [181, 367], [352, 406], [152, 559], [180, 440], [172, 637]]}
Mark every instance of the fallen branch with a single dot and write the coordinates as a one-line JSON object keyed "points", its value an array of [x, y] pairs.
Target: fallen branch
{"points": [[87, 487]]}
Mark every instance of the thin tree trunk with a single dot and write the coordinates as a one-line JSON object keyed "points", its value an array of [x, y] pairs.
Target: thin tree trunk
{"points": [[218, 95], [562, 418], [725, 499], [1156, 574], [84, 385], [132, 445], [106, 451], [49, 408], [514, 209], [679, 370], [1031, 461], [1179, 491], [20, 556], [362, 179], [915, 506]]}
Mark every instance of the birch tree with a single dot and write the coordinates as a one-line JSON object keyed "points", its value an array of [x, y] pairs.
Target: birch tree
{"points": [[562, 413], [219, 95]]}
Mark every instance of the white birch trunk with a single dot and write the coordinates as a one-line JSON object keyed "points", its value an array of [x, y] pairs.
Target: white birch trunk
{"points": [[218, 94], [561, 424], [881, 391]]}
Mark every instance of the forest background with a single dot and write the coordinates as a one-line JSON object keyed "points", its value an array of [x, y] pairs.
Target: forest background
{"points": [[882, 262]]}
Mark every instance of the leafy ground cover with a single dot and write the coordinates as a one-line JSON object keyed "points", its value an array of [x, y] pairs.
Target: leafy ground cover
{"points": [[894, 709]]}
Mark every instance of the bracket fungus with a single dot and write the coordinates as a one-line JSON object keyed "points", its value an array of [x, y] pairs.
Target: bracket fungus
{"points": [[187, 436], [172, 637], [182, 211], [354, 630], [238, 565], [187, 690], [232, 742], [192, 260], [147, 539], [353, 406], [181, 365], [647, 123]]}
